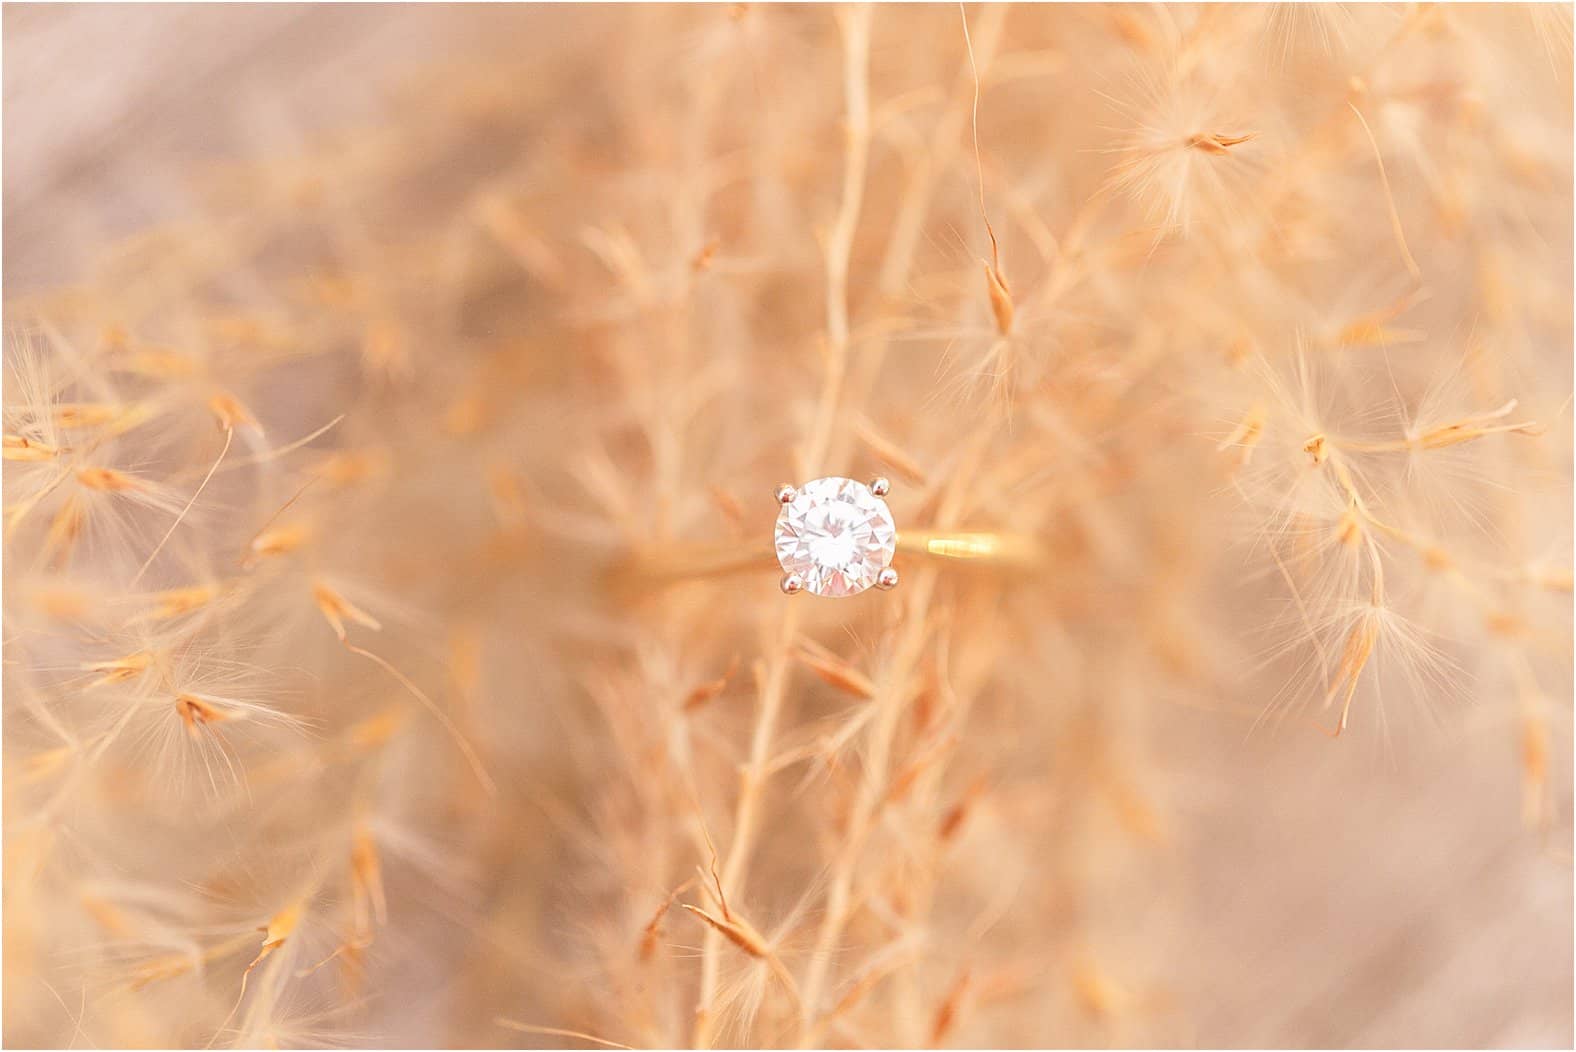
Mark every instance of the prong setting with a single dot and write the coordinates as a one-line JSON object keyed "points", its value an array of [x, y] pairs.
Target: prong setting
{"points": [[833, 537], [785, 494], [886, 580], [880, 486]]}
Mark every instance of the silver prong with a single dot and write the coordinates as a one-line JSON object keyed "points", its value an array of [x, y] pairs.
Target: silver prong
{"points": [[785, 494], [792, 584], [880, 486], [886, 580]]}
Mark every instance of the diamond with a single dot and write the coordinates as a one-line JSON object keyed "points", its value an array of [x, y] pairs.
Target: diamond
{"points": [[836, 535]]}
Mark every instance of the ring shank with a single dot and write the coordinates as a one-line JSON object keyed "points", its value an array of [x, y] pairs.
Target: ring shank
{"points": [[984, 550]]}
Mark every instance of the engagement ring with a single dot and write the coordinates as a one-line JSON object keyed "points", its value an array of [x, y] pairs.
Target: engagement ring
{"points": [[834, 537]]}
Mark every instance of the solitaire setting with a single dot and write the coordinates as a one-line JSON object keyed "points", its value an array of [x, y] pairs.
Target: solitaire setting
{"points": [[835, 537]]}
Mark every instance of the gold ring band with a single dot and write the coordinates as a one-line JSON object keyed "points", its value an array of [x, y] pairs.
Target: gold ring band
{"points": [[975, 549]]}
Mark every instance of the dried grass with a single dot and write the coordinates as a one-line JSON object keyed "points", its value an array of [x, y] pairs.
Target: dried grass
{"points": [[1278, 391]]}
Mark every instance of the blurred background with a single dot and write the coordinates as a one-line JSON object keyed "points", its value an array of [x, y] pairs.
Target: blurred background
{"points": [[372, 370]]}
